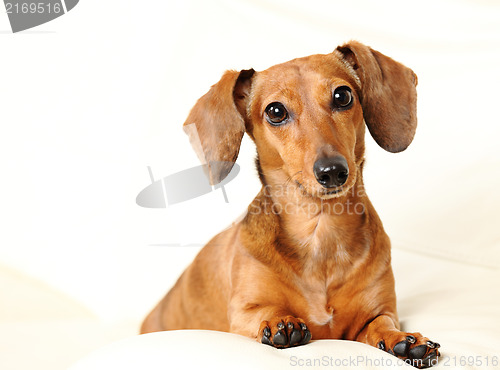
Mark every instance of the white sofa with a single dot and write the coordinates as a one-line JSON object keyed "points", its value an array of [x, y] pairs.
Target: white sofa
{"points": [[81, 264], [455, 303]]}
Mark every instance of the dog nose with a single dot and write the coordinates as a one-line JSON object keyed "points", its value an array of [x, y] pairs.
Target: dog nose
{"points": [[331, 171]]}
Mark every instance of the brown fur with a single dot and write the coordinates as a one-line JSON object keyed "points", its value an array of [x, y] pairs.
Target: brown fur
{"points": [[300, 255]]}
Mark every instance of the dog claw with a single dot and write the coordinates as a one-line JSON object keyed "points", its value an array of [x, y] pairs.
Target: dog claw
{"points": [[265, 337], [432, 344], [411, 339], [267, 332]]}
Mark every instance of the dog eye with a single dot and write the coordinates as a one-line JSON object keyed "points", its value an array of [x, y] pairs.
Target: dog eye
{"points": [[276, 114], [342, 97]]}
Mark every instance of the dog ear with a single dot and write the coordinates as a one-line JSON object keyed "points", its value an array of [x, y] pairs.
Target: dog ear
{"points": [[216, 123], [388, 95]]}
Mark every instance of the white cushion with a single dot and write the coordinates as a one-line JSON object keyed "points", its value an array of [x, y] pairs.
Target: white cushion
{"points": [[450, 302]]}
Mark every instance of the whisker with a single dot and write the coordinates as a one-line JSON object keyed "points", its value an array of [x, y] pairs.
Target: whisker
{"points": [[289, 179]]}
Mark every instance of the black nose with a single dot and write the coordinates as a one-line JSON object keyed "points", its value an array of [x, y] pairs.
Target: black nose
{"points": [[331, 172]]}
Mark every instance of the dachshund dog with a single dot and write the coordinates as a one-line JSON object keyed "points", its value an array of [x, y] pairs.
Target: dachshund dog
{"points": [[310, 259]]}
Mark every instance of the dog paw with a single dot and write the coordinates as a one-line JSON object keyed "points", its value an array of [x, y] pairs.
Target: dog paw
{"points": [[413, 348], [284, 332]]}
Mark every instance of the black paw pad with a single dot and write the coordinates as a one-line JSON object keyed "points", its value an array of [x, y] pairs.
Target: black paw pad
{"points": [[265, 337], [295, 337], [418, 352], [307, 334], [401, 348], [280, 338]]}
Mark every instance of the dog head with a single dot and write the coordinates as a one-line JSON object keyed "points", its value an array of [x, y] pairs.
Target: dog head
{"points": [[307, 117]]}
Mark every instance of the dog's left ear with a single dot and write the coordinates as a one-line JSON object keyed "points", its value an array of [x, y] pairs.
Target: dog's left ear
{"points": [[216, 123], [388, 95]]}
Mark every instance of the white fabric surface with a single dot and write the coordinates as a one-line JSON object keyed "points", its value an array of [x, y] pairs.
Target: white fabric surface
{"points": [[453, 303], [92, 98]]}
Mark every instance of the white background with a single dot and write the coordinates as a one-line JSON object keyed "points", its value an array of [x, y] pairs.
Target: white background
{"points": [[91, 99]]}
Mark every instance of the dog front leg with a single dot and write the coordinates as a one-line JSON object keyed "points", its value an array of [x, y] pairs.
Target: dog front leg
{"points": [[415, 349]]}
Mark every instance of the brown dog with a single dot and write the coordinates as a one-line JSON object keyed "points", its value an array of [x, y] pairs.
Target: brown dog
{"points": [[310, 258]]}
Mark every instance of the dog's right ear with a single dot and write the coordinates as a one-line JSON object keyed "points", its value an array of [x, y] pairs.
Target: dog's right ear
{"points": [[216, 123]]}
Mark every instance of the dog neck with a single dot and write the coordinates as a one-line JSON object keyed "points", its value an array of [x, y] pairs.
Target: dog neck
{"points": [[310, 231]]}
